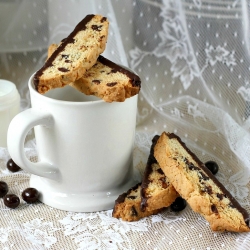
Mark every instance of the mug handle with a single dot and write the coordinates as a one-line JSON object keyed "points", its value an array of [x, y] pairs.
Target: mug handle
{"points": [[20, 125]]}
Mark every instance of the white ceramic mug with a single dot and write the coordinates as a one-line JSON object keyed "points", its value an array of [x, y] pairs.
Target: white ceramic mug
{"points": [[84, 148]]}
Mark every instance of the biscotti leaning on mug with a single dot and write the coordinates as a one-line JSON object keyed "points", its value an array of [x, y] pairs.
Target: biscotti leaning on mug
{"points": [[77, 62], [76, 53]]}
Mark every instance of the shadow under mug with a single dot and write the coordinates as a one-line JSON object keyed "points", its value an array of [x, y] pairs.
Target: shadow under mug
{"points": [[84, 148]]}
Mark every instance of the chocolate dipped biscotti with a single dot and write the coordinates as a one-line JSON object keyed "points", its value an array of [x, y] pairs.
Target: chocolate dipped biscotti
{"points": [[128, 205], [149, 197], [106, 80], [75, 54], [198, 186], [156, 190]]}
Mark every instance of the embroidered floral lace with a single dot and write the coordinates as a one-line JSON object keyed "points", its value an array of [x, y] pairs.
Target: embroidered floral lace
{"points": [[193, 57]]}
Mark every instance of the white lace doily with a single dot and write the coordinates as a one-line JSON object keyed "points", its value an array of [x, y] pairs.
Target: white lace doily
{"points": [[193, 59]]}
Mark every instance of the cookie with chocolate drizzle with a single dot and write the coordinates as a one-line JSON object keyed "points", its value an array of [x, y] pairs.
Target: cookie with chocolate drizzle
{"points": [[198, 186], [149, 197], [156, 190], [128, 206], [106, 80], [75, 54]]}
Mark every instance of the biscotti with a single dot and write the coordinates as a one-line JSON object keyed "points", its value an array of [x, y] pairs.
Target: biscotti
{"points": [[75, 54], [197, 185], [156, 190], [106, 80], [148, 198], [128, 206]]}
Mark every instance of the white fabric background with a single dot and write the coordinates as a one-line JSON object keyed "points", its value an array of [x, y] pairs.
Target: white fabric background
{"points": [[193, 59]]}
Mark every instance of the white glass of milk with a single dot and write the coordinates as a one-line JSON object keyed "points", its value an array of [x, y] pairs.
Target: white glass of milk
{"points": [[9, 107]]}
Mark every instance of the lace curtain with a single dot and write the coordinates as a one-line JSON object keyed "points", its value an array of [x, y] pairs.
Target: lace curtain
{"points": [[193, 59]]}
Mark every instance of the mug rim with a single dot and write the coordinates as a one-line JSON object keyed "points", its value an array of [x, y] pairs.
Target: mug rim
{"points": [[38, 95]]}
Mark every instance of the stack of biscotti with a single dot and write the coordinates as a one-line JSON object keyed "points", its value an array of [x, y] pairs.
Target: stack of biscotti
{"points": [[106, 80], [77, 62], [146, 198], [198, 186], [174, 170]]}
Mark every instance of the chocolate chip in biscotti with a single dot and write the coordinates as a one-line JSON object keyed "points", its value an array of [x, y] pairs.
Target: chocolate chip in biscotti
{"points": [[80, 51], [111, 84], [96, 81], [198, 186], [214, 209], [164, 182], [96, 27], [132, 197], [63, 69], [159, 170], [65, 56], [221, 196], [207, 189], [133, 211]]}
